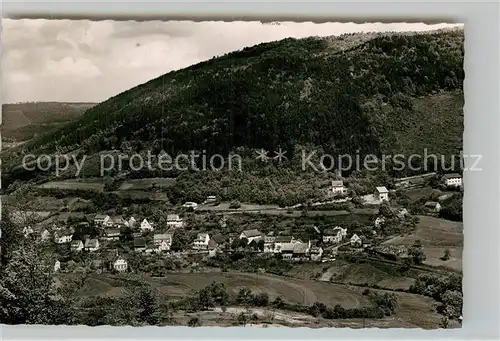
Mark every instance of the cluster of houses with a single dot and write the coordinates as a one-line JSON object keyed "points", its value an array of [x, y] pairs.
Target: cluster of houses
{"points": [[292, 248], [111, 230], [288, 246]]}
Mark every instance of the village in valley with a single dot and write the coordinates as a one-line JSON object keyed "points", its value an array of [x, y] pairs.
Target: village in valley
{"points": [[219, 189], [213, 237], [116, 236]]}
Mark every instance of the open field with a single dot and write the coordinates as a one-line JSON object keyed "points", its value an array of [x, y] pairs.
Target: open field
{"points": [[417, 310], [292, 290], [74, 184], [47, 203], [414, 311], [369, 273], [145, 184], [142, 195], [436, 235], [433, 232], [417, 193]]}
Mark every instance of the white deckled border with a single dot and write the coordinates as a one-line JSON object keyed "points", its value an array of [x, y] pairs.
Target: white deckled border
{"points": [[481, 136]]}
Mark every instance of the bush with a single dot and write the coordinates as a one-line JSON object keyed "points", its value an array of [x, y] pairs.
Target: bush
{"points": [[235, 204], [261, 299], [194, 322]]}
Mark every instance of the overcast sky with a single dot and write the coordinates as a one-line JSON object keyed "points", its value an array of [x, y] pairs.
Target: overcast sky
{"points": [[85, 61]]}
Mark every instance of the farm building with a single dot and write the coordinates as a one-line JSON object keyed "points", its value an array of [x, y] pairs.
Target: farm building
{"points": [[381, 194], [251, 235]]}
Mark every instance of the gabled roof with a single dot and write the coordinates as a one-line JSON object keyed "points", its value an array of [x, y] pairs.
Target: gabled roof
{"points": [[252, 233], [212, 244], [300, 248], [355, 237], [139, 243], [337, 183], [202, 236], [284, 239], [110, 232], [218, 239], [119, 259], [173, 217], [165, 236], [118, 220], [91, 243], [100, 216], [288, 247], [431, 204], [331, 231], [451, 176], [382, 189], [315, 249], [63, 233], [76, 243]]}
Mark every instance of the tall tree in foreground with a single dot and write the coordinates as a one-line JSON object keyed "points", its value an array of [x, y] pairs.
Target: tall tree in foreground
{"points": [[29, 293]]}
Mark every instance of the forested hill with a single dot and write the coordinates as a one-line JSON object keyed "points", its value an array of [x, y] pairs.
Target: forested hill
{"points": [[394, 93]]}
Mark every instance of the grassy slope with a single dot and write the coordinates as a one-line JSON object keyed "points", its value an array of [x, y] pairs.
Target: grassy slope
{"points": [[436, 235]]}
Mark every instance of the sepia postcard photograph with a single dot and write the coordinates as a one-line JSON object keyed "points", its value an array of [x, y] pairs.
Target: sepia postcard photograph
{"points": [[232, 174]]}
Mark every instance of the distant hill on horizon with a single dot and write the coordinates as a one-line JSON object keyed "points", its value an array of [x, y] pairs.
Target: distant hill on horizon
{"points": [[377, 93], [21, 121]]}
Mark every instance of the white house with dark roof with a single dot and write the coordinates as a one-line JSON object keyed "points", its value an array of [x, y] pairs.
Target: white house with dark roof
{"points": [[91, 245], [338, 187], [301, 250], [120, 264], [131, 222], [283, 243], [452, 180], [173, 220], [286, 249], [433, 206], [269, 240], [76, 245], [146, 226], [379, 221], [118, 221], [334, 235], [102, 220], [45, 235], [253, 234], [316, 253], [381, 194], [356, 241], [139, 245], [63, 237], [162, 242], [112, 234], [201, 241]]}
